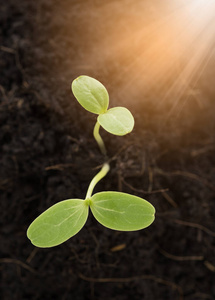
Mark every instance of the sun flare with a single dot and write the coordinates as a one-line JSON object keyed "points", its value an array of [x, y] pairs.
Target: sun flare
{"points": [[148, 48], [172, 51]]}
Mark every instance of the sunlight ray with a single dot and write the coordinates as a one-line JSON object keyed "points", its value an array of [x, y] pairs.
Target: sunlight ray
{"points": [[182, 41]]}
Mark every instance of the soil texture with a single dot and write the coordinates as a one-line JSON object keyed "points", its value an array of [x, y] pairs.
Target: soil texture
{"points": [[48, 154]]}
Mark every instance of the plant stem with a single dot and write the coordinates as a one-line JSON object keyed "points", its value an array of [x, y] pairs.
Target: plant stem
{"points": [[98, 138], [102, 173]]}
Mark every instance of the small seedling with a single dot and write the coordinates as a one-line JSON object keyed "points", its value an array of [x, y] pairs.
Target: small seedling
{"points": [[114, 210]]}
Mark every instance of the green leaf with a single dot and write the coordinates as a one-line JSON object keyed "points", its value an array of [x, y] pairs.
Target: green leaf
{"points": [[91, 94], [121, 211], [58, 223], [117, 120]]}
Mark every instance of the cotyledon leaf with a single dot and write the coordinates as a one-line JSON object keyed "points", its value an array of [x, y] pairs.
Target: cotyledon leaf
{"points": [[117, 120], [91, 94], [58, 223], [121, 211]]}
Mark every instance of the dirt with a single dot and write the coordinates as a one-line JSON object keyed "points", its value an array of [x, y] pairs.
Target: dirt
{"points": [[47, 154]]}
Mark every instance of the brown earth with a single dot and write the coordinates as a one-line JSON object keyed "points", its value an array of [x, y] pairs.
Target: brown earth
{"points": [[47, 154]]}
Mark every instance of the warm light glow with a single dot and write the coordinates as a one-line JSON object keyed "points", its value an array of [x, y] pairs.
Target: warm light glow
{"points": [[171, 51], [149, 50]]}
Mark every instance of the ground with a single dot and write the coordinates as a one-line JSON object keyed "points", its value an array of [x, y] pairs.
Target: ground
{"points": [[48, 154]]}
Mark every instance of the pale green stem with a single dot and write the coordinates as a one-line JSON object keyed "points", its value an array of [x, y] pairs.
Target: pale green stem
{"points": [[102, 173], [98, 138]]}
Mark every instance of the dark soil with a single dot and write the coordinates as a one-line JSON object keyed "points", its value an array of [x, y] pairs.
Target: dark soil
{"points": [[47, 152]]}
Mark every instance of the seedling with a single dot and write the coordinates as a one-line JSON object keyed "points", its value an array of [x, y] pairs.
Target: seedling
{"points": [[114, 210]]}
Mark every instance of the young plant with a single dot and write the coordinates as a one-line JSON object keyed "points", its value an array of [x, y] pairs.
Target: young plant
{"points": [[114, 210]]}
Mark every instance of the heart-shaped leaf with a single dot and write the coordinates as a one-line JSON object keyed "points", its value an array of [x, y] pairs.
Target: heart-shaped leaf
{"points": [[58, 223], [91, 94], [117, 120], [121, 211]]}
